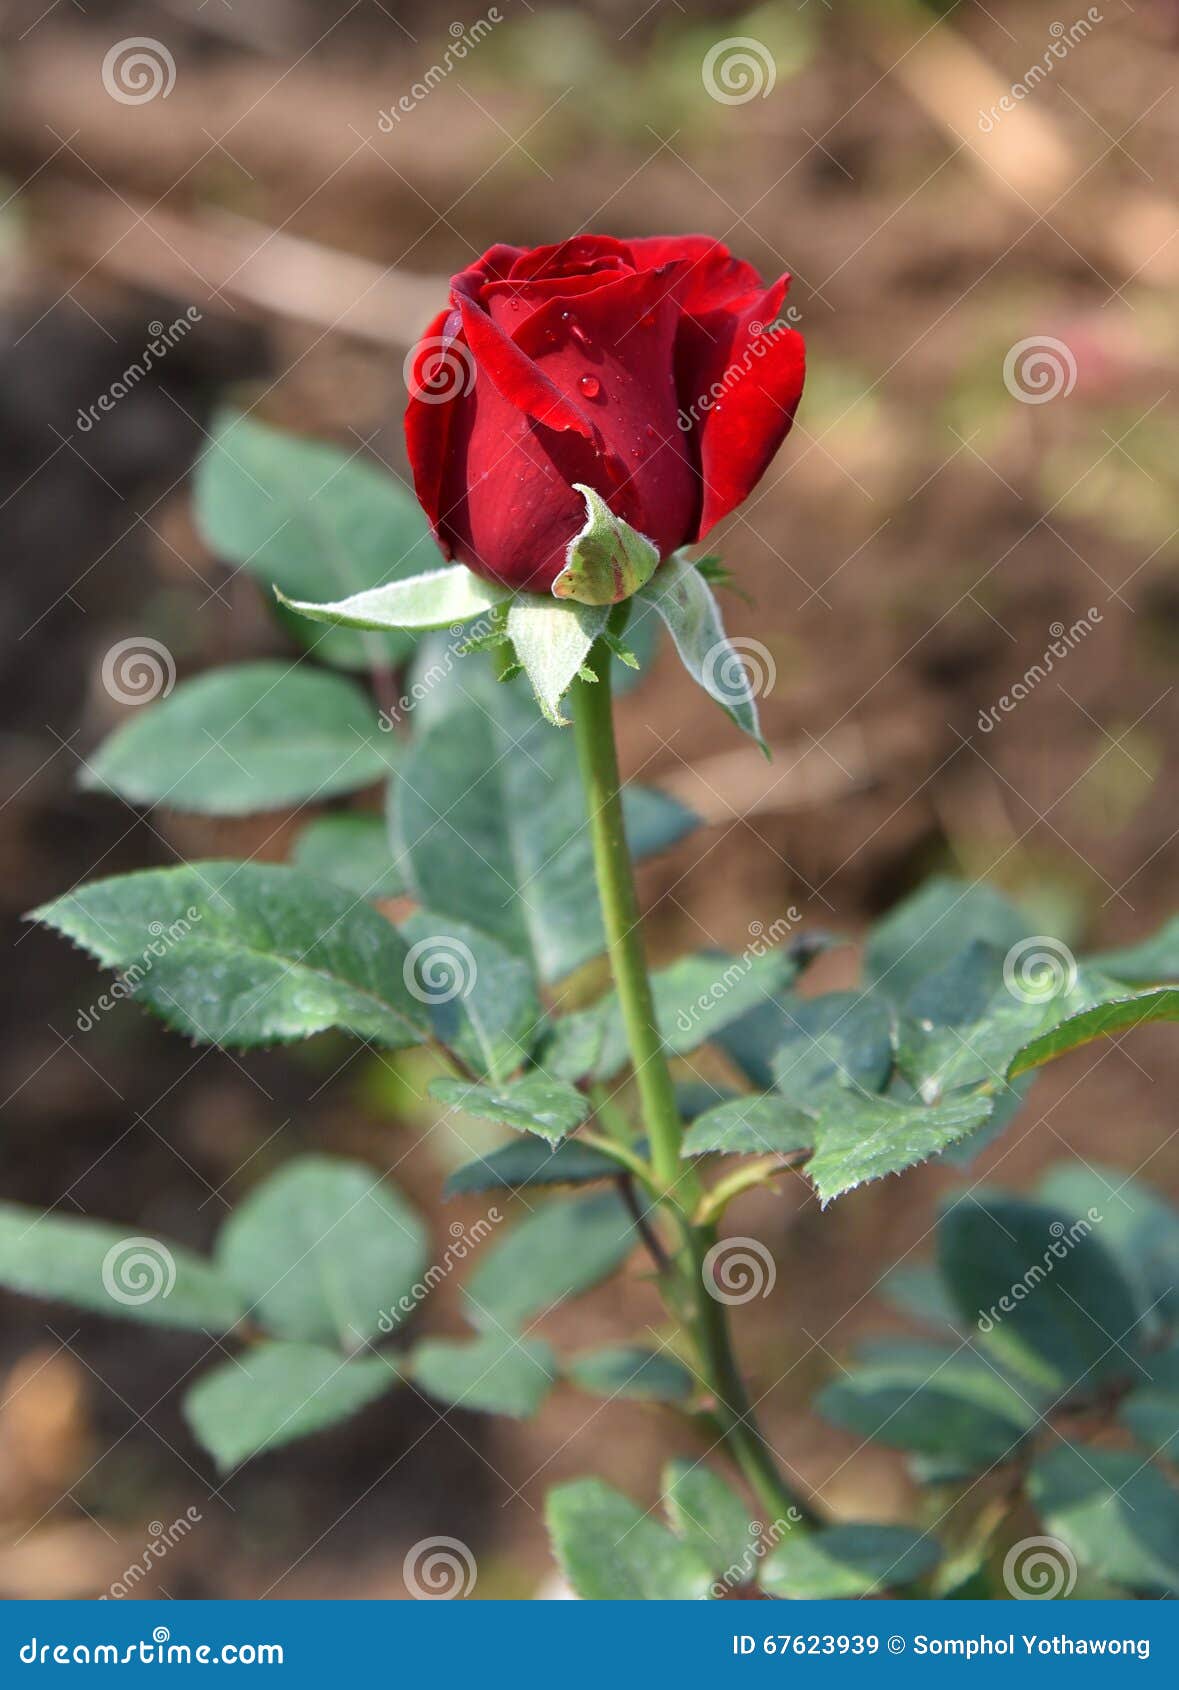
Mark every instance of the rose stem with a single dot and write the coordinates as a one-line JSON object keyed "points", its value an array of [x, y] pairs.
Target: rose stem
{"points": [[675, 1185]]}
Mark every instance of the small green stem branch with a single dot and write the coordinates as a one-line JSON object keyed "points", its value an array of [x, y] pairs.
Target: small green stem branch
{"points": [[672, 1185]]}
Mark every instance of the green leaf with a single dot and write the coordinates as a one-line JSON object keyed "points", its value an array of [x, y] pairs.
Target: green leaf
{"points": [[552, 640], [930, 928], [607, 560], [324, 1250], [437, 599], [627, 1370], [113, 1271], [258, 736], [246, 953], [480, 997], [694, 998], [530, 1162], [494, 1373], [961, 1025], [351, 851], [533, 1104], [1044, 1294], [310, 518], [1138, 1227], [919, 1291], [1118, 1515], [709, 1517], [277, 1392], [945, 1403], [610, 1551], [753, 1040], [1152, 1415], [490, 821], [848, 1560], [1145, 964], [831, 1045], [682, 597], [561, 1249], [861, 1138], [1103, 1021], [759, 1125]]}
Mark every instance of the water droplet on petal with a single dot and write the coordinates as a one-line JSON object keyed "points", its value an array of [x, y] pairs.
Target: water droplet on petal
{"points": [[590, 386]]}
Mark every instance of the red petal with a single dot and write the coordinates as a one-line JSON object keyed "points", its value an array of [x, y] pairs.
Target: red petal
{"points": [[427, 430], [714, 276]]}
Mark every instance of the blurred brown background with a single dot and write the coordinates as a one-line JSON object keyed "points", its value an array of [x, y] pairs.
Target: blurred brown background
{"points": [[906, 559]]}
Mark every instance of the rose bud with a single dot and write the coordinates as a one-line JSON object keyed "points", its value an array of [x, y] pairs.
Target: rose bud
{"points": [[654, 371]]}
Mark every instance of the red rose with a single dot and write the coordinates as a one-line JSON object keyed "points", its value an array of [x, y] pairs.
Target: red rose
{"points": [[652, 370]]}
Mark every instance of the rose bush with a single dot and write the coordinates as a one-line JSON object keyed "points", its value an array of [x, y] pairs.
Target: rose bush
{"points": [[654, 371]]}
